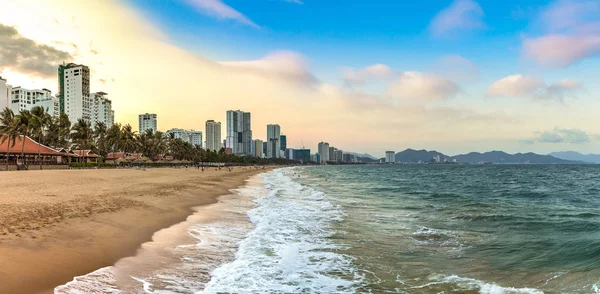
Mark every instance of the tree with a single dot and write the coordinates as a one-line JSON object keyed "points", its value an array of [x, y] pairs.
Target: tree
{"points": [[113, 137], [128, 139], [39, 122], [65, 132], [8, 130], [24, 126], [83, 136], [100, 140]]}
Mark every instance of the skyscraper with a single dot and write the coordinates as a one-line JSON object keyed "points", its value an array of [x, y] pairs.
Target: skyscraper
{"points": [[195, 138], [148, 121], [390, 156], [258, 148], [273, 143], [283, 142], [213, 135], [74, 91], [102, 110], [239, 132], [323, 151], [302, 155]]}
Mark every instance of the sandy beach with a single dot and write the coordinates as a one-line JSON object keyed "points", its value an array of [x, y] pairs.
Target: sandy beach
{"points": [[55, 225]]}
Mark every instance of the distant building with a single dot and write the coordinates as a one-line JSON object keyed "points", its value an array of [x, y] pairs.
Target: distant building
{"points": [[239, 132], [258, 148], [195, 137], [74, 91], [213, 135], [390, 157], [102, 111], [288, 154], [338, 155], [264, 149], [24, 99], [190, 136], [331, 153], [148, 121], [5, 93], [323, 151], [302, 155], [273, 143], [283, 142], [349, 158]]}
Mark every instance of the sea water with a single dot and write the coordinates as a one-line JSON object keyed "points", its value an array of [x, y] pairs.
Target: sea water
{"points": [[384, 229]]}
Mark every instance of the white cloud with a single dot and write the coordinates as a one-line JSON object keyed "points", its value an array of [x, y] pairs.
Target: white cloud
{"points": [[358, 77], [457, 68], [572, 34], [558, 135], [527, 86], [459, 16], [221, 10], [422, 86]]}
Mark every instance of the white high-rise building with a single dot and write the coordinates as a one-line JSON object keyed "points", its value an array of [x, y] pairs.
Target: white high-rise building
{"points": [[195, 137], [390, 157], [102, 110], [323, 150], [213, 135], [273, 143], [24, 99], [5, 93], [258, 148], [74, 91], [239, 132], [189, 136], [147, 121]]}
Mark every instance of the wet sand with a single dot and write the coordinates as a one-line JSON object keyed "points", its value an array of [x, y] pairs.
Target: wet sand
{"points": [[55, 225]]}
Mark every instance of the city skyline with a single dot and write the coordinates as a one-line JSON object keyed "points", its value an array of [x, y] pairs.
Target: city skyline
{"points": [[424, 82]]}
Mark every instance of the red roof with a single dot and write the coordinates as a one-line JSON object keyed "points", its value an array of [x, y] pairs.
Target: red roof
{"points": [[84, 153], [31, 147]]}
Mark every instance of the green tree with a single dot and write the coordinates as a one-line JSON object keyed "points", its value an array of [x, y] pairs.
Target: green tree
{"points": [[39, 122], [83, 135], [24, 126], [8, 130], [65, 132], [101, 143]]}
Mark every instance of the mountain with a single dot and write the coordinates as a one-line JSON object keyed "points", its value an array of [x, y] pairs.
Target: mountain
{"points": [[576, 156], [362, 155], [411, 155], [366, 159], [503, 157]]}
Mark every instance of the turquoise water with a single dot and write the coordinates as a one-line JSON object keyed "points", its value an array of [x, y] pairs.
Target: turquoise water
{"points": [[479, 229]]}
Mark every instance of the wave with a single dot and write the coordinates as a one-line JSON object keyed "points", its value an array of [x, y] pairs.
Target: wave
{"points": [[461, 284], [290, 249]]}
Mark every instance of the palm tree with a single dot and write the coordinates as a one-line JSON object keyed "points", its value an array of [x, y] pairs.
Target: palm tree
{"points": [[65, 132], [8, 130], [83, 135], [39, 122], [128, 139], [100, 139], [24, 127], [113, 137]]}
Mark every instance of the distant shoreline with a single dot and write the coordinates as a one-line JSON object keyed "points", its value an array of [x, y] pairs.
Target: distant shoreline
{"points": [[59, 224]]}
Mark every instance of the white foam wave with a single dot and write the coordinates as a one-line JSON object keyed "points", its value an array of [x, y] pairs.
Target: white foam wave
{"points": [[468, 284], [289, 250], [99, 281]]}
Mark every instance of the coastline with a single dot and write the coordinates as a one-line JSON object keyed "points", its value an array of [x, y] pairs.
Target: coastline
{"points": [[89, 219]]}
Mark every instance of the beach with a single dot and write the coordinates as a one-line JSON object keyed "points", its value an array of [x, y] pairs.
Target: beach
{"points": [[55, 225]]}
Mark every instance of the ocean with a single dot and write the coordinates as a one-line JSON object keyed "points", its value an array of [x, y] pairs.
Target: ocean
{"points": [[380, 229]]}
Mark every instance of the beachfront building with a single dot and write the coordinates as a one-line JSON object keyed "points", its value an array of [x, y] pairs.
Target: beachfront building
{"points": [[239, 132], [25, 99], [32, 152], [323, 151], [74, 91], [283, 142], [390, 156], [190, 136], [338, 155], [147, 121], [258, 147], [273, 143], [5, 93], [213, 135], [195, 138], [301, 155], [102, 111]]}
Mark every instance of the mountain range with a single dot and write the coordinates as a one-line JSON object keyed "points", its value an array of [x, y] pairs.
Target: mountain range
{"points": [[413, 156], [572, 155]]}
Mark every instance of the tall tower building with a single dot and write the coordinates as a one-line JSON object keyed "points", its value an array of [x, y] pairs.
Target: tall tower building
{"points": [[148, 121], [390, 156], [258, 148], [283, 142], [323, 151], [273, 143], [102, 111], [74, 91], [213, 135], [239, 132]]}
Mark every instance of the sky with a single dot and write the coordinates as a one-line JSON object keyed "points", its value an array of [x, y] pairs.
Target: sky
{"points": [[365, 76]]}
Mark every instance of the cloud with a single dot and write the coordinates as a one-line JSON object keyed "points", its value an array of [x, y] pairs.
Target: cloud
{"points": [[457, 68], [422, 86], [571, 136], [461, 15], [221, 10], [26, 56], [572, 34], [288, 66], [358, 77], [526, 86]]}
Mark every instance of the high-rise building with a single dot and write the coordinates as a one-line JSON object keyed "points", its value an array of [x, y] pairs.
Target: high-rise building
{"points": [[5, 93], [190, 136], [338, 155], [273, 143], [323, 151], [239, 132], [264, 149], [288, 154], [283, 142], [213, 135], [258, 147], [102, 111], [147, 121], [74, 91], [390, 157], [24, 99], [331, 154], [195, 137], [302, 155]]}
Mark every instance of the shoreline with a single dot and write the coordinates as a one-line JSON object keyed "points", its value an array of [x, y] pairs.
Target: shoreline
{"points": [[51, 234]]}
